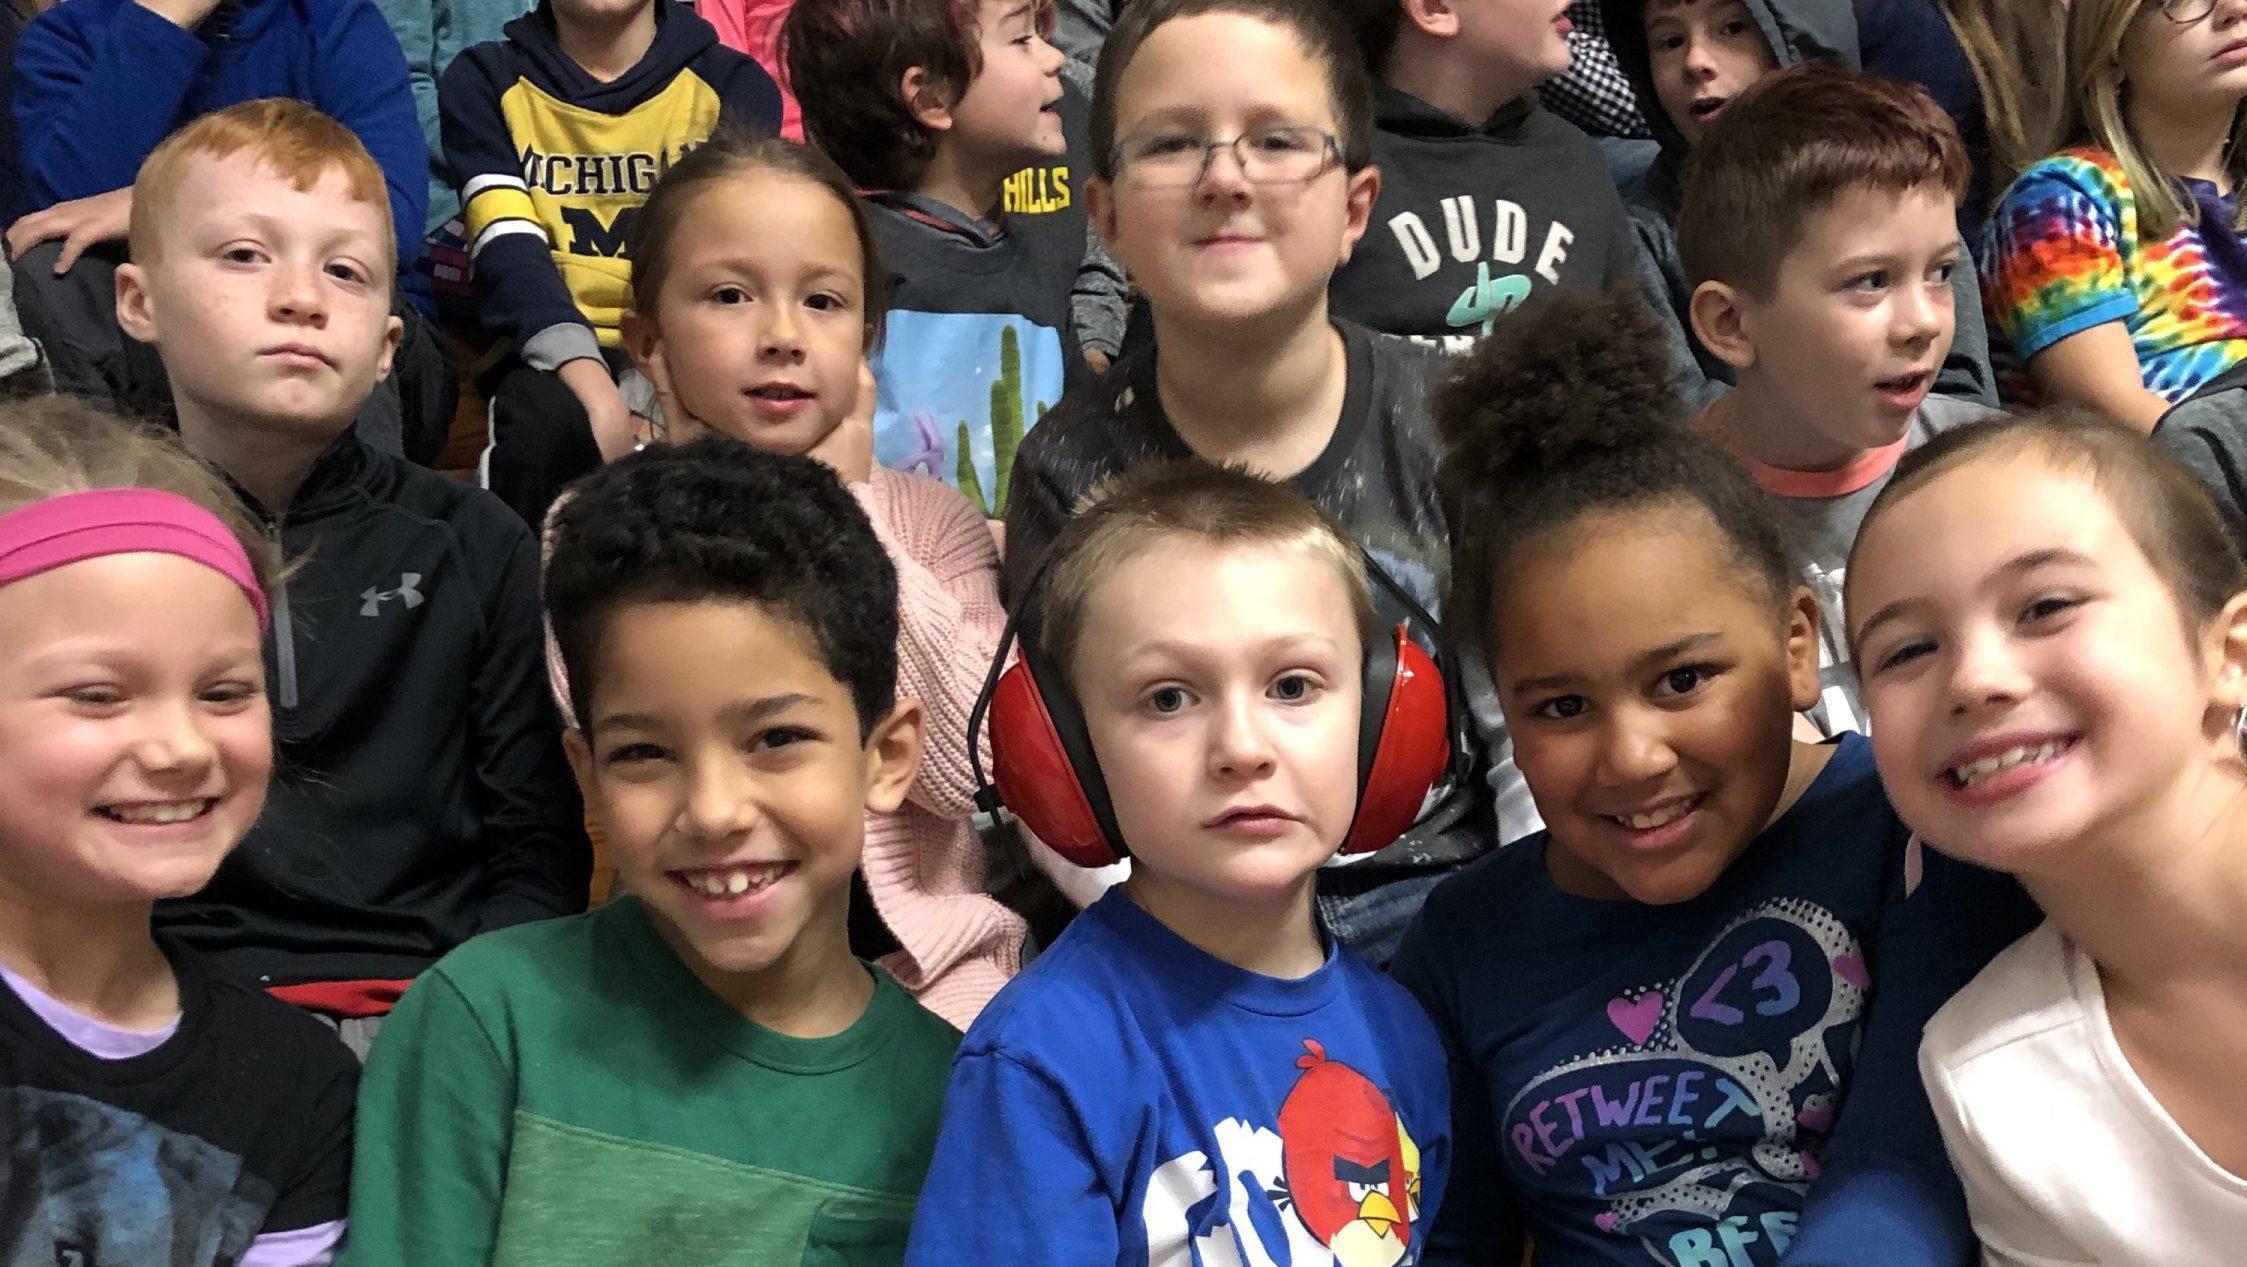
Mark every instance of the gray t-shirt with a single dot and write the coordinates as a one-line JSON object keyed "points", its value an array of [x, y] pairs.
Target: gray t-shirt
{"points": [[1819, 512]]}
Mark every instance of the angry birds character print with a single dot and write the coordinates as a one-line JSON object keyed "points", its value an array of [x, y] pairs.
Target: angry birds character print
{"points": [[1351, 1169], [1337, 1183]]}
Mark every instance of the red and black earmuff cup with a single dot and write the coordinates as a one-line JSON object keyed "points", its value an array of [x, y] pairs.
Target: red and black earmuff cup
{"points": [[1046, 774]]}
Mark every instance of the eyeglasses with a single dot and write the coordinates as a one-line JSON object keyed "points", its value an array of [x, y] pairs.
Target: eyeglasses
{"points": [[1266, 156], [2187, 12]]}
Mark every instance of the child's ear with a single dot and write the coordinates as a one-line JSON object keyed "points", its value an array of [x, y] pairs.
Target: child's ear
{"points": [[1100, 207], [2226, 649], [1720, 321], [132, 303], [1803, 649], [392, 335], [580, 753], [1439, 18], [639, 338], [925, 99], [1365, 188], [893, 756]]}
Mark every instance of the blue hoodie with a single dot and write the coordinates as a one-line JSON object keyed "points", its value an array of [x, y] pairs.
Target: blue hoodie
{"points": [[99, 82]]}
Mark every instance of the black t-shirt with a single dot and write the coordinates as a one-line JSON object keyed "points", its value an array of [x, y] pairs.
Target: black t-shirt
{"points": [[237, 1125], [1376, 475]]}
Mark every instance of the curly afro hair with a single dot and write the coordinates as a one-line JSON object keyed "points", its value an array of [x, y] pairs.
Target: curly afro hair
{"points": [[717, 520], [1566, 409]]}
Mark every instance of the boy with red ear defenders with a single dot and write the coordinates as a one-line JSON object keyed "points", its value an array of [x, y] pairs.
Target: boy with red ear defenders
{"points": [[1194, 1065]]}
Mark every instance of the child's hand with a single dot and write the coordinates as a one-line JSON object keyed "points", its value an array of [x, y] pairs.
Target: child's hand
{"points": [[849, 448], [613, 430], [1098, 360], [80, 223]]}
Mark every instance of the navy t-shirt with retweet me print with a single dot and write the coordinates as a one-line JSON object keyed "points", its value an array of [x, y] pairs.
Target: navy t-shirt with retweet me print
{"points": [[1727, 1081]]}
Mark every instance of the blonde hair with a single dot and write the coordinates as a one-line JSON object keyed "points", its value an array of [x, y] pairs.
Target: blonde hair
{"points": [[299, 143], [50, 445], [1156, 502], [2014, 50], [2094, 113]]}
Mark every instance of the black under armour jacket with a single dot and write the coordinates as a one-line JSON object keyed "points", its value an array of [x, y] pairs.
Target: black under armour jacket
{"points": [[420, 795]]}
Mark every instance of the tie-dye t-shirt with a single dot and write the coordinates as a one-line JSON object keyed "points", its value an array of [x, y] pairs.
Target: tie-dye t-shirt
{"points": [[2063, 253]]}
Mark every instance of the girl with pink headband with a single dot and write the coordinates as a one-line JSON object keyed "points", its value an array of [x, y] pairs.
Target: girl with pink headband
{"points": [[150, 1113]]}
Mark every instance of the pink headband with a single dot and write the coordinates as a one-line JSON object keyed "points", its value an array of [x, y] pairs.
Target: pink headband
{"points": [[73, 527]]}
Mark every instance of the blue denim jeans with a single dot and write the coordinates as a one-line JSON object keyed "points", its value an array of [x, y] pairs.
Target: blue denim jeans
{"points": [[1372, 922]]}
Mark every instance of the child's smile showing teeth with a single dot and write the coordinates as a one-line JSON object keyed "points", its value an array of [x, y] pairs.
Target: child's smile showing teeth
{"points": [[1660, 823], [732, 881], [1969, 774], [158, 812]]}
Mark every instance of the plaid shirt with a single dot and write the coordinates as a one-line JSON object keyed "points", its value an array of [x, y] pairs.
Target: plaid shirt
{"points": [[1593, 93]]}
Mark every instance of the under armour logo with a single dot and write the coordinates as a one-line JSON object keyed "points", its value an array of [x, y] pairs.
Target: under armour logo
{"points": [[408, 588]]}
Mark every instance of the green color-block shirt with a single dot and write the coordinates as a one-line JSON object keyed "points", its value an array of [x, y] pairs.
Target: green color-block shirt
{"points": [[569, 1094]]}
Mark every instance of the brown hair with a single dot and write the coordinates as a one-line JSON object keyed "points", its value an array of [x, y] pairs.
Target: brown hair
{"points": [[2013, 48], [2093, 114], [730, 154], [1791, 145], [2163, 508], [1319, 27], [846, 62], [51, 445], [299, 143], [1159, 501]]}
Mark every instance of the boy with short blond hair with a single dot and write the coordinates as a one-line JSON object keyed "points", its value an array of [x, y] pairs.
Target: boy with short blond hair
{"points": [[1230, 200], [699, 1072], [932, 107], [420, 794], [1196, 1069], [1819, 230]]}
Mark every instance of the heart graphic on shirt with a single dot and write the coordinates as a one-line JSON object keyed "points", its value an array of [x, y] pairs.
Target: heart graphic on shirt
{"points": [[1636, 1017], [1817, 1118], [1851, 968], [1605, 1220]]}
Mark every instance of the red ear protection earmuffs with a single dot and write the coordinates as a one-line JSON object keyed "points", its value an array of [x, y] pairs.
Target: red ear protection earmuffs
{"points": [[1046, 775]]}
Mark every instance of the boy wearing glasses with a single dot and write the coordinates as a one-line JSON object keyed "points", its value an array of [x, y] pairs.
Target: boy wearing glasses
{"points": [[930, 106], [1230, 199], [1486, 197]]}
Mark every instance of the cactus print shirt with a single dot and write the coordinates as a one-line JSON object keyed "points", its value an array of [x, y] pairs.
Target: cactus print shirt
{"points": [[2063, 253]]}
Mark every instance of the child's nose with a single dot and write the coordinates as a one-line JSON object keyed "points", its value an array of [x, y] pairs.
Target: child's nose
{"points": [[1634, 748], [1984, 672], [781, 335], [175, 741], [296, 293], [719, 803], [1919, 311], [1238, 744]]}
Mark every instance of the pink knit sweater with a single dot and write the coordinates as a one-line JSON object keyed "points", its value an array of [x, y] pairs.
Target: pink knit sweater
{"points": [[923, 864]]}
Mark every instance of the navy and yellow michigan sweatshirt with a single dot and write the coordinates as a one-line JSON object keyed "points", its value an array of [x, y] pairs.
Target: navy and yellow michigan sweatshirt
{"points": [[553, 165]]}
